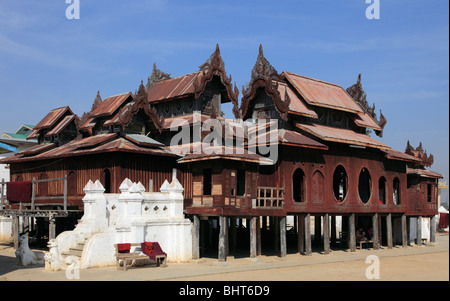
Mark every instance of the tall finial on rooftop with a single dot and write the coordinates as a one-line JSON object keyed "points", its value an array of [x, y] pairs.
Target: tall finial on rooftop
{"points": [[156, 76]]}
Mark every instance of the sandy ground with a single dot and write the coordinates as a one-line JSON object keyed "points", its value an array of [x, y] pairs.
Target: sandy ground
{"points": [[413, 263]]}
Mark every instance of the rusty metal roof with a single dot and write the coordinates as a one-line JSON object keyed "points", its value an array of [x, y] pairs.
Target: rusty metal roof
{"points": [[339, 135], [397, 155], [288, 137], [423, 173], [174, 87], [98, 144], [364, 120], [52, 117], [110, 105], [323, 94], [208, 152], [296, 106], [61, 126]]}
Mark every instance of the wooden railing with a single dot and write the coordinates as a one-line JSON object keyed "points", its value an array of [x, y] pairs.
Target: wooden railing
{"points": [[269, 198], [33, 192]]}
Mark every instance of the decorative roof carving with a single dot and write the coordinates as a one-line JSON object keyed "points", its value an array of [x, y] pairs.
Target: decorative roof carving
{"points": [[418, 152], [140, 102], [86, 115], [265, 75], [156, 76], [357, 93], [214, 65], [97, 101]]}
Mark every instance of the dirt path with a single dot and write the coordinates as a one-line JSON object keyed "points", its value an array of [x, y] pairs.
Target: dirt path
{"points": [[405, 264]]}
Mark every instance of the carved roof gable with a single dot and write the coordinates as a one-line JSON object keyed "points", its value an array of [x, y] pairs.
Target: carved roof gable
{"points": [[214, 65], [264, 75], [357, 93]]}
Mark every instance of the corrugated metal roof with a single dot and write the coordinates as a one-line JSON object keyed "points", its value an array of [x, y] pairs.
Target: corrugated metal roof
{"points": [[91, 145], [174, 87], [364, 120], [143, 140], [424, 173], [339, 135], [324, 94], [224, 152], [396, 155], [287, 137], [61, 126], [110, 105], [296, 106], [52, 117]]}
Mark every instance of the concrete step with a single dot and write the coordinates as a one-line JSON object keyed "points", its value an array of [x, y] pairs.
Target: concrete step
{"points": [[73, 252]]}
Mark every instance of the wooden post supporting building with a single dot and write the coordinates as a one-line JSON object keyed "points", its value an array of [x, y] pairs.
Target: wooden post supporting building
{"points": [[376, 233], [222, 252], [404, 231], [389, 231], [352, 233], [283, 244], [308, 250], [196, 238], [326, 235]]}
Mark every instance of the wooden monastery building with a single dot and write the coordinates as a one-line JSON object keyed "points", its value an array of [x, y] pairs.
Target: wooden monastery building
{"points": [[327, 166]]}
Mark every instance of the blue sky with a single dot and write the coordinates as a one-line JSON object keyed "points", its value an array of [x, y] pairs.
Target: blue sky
{"points": [[48, 61]]}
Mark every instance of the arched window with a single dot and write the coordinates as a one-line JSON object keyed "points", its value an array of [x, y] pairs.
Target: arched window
{"points": [[364, 185], [317, 188], [396, 191], [340, 183], [382, 190], [298, 183], [72, 183]]}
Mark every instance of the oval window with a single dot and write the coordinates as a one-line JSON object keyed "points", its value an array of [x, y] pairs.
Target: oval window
{"points": [[364, 185], [340, 183]]}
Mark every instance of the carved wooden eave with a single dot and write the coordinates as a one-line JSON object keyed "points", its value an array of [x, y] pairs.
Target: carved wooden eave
{"points": [[215, 66], [140, 102], [156, 76], [265, 76], [418, 152], [357, 93]]}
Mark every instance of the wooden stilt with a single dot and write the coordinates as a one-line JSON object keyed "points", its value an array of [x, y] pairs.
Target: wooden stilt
{"points": [[258, 236], [196, 238], [326, 236], [51, 227], [389, 231], [16, 231], [352, 233], [419, 231], [301, 234], [283, 244], [308, 250], [376, 241], [253, 237], [433, 229], [404, 231], [222, 239]]}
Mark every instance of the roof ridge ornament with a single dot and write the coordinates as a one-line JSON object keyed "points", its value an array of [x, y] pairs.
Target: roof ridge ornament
{"points": [[156, 76], [418, 152], [357, 93], [264, 75]]}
